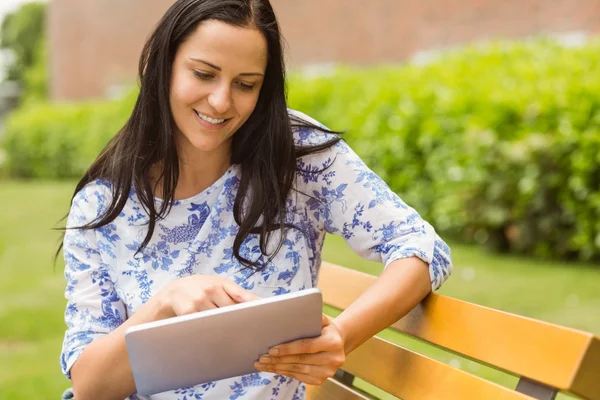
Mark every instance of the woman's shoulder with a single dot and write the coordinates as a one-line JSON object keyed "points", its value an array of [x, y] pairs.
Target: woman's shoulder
{"points": [[308, 131], [94, 195]]}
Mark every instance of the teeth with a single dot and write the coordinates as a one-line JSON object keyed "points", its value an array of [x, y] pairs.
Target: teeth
{"points": [[209, 119]]}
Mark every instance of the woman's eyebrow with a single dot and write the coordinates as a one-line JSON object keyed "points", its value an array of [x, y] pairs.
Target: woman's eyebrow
{"points": [[219, 68]]}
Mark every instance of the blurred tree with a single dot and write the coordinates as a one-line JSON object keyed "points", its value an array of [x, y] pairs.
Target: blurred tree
{"points": [[22, 33]]}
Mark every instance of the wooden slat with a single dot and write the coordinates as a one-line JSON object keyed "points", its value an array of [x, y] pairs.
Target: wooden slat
{"points": [[538, 350], [332, 390], [541, 351], [586, 382], [412, 376]]}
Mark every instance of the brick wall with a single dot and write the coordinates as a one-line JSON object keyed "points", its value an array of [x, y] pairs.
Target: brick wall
{"points": [[95, 44]]}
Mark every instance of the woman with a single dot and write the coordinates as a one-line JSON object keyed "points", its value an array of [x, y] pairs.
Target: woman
{"points": [[213, 193]]}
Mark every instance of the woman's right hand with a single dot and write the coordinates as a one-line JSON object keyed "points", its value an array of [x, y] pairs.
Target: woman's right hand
{"points": [[199, 293], [105, 364]]}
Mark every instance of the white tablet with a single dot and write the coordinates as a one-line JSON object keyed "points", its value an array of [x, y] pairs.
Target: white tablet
{"points": [[217, 344]]}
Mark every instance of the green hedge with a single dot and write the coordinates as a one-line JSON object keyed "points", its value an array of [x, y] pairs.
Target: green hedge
{"points": [[499, 144], [56, 141]]}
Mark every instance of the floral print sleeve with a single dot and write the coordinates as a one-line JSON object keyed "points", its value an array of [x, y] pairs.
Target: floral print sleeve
{"points": [[350, 200], [93, 307]]}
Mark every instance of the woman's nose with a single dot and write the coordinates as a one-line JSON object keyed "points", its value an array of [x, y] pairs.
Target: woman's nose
{"points": [[220, 99]]}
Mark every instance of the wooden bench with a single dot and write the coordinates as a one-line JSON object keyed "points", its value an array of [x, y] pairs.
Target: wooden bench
{"points": [[547, 358]]}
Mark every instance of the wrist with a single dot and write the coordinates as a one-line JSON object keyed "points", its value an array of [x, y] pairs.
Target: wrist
{"points": [[344, 334], [154, 309]]}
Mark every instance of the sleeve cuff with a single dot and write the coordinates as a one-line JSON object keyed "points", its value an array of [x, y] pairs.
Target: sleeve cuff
{"points": [[438, 260]]}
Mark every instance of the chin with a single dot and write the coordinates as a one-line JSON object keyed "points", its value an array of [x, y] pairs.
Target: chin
{"points": [[206, 147], [196, 140], [209, 145]]}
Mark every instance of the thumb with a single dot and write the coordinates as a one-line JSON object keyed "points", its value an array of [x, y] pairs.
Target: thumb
{"points": [[325, 321], [238, 293]]}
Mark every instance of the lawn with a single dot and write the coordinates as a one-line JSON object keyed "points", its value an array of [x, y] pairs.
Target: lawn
{"points": [[32, 302]]}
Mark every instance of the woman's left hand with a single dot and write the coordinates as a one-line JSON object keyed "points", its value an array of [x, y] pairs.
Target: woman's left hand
{"points": [[311, 361]]}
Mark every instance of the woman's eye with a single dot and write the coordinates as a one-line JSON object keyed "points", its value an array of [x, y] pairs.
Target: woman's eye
{"points": [[246, 86], [202, 75]]}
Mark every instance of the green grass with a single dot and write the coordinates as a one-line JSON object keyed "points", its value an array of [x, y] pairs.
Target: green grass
{"points": [[32, 302], [31, 290]]}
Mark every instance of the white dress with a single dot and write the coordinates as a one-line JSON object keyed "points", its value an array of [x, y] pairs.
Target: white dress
{"points": [[107, 282]]}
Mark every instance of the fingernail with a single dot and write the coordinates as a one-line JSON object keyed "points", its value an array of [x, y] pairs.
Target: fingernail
{"points": [[265, 359], [274, 351]]}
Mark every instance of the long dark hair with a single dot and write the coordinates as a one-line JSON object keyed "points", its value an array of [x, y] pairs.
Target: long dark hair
{"points": [[263, 146]]}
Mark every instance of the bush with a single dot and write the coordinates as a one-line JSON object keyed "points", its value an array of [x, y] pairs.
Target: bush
{"points": [[22, 35], [498, 144], [60, 141]]}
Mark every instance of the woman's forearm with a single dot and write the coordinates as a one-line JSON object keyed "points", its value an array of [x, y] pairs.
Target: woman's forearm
{"points": [[103, 370], [399, 288]]}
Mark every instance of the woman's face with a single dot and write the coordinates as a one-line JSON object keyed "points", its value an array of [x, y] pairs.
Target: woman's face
{"points": [[217, 75]]}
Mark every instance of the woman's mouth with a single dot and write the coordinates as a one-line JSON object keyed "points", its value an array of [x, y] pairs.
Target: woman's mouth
{"points": [[215, 122]]}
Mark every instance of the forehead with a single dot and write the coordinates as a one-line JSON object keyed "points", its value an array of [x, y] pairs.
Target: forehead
{"points": [[229, 47]]}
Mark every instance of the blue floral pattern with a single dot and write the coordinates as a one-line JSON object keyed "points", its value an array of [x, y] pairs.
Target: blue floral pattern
{"points": [[107, 279]]}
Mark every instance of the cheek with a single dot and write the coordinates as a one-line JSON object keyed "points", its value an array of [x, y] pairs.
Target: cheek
{"points": [[184, 96], [184, 92], [246, 105]]}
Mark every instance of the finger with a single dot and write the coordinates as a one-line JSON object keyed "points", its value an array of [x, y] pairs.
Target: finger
{"points": [[221, 298], [313, 370], [185, 308], [323, 358], [317, 371], [308, 379], [239, 294], [302, 346]]}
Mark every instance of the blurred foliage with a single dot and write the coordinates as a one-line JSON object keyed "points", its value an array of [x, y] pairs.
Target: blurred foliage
{"points": [[59, 141], [495, 143], [23, 34], [35, 78]]}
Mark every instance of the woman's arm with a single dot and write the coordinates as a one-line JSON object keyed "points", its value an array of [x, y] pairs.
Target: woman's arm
{"points": [[399, 288], [94, 354], [103, 370], [350, 200]]}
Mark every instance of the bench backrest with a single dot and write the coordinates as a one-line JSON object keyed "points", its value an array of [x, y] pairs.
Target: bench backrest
{"points": [[548, 358]]}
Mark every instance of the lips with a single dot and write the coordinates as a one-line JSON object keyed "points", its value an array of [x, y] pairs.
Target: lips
{"points": [[214, 121]]}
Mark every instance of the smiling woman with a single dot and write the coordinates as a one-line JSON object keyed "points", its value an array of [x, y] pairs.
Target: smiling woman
{"points": [[214, 193], [216, 80]]}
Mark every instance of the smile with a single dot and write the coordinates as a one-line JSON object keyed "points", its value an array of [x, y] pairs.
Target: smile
{"points": [[208, 119]]}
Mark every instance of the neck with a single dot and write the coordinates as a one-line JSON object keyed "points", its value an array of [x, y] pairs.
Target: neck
{"points": [[197, 177], [198, 173]]}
